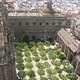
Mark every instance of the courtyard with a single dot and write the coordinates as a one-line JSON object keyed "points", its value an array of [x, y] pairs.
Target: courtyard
{"points": [[42, 60]]}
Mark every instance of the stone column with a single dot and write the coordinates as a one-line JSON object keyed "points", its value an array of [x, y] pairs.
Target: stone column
{"points": [[77, 70]]}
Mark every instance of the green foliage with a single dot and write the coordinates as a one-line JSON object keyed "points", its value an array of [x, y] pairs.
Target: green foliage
{"points": [[47, 43], [69, 68], [25, 48], [19, 59], [40, 44], [47, 65], [37, 59], [63, 77], [40, 65], [58, 69], [65, 62], [42, 53], [51, 71], [57, 62], [20, 45], [62, 57], [44, 58], [18, 53], [43, 78], [25, 38], [31, 73], [28, 59], [20, 66], [29, 65], [31, 44], [72, 76], [21, 74], [53, 77], [54, 54], [32, 78], [41, 71], [34, 53], [27, 54], [33, 50]]}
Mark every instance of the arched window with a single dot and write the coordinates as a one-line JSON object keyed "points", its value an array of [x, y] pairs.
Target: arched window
{"points": [[34, 23], [47, 23], [40, 23]]}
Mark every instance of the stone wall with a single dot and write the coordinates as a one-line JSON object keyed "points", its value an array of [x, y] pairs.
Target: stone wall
{"points": [[8, 71], [37, 27], [70, 55]]}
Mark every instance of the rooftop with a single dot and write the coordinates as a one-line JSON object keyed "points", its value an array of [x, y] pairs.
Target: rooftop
{"points": [[68, 7], [69, 40], [9, 1]]}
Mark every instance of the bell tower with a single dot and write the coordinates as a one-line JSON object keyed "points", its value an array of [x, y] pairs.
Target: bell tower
{"points": [[7, 56]]}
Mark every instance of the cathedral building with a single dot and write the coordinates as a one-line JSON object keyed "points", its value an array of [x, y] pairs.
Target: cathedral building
{"points": [[21, 23]]}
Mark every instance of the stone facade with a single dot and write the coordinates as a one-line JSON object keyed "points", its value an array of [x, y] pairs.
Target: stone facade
{"points": [[37, 27], [68, 45], [7, 57]]}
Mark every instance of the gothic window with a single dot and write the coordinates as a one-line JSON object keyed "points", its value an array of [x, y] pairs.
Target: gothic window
{"points": [[8, 37], [47, 23], [68, 24], [34, 23], [40, 23]]}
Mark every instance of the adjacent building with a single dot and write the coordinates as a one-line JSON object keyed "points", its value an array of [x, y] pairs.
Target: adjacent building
{"points": [[70, 45], [7, 56]]}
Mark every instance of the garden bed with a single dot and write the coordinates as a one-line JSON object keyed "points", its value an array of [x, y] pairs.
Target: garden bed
{"points": [[40, 60]]}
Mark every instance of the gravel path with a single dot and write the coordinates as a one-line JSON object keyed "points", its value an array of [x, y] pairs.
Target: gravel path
{"points": [[35, 69]]}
